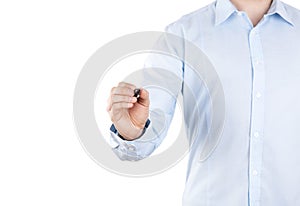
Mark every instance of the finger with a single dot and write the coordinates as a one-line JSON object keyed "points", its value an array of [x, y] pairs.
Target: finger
{"points": [[121, 105], [125, 91], [144, 97], [109, 102], [128, 85], [122, 93], [121, 98]]}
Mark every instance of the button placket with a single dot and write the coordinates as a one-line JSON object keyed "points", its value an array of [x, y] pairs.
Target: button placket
{"points": [[257, 117]]}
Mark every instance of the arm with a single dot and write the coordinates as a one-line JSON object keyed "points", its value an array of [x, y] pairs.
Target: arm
{"points": [[129, 116]]}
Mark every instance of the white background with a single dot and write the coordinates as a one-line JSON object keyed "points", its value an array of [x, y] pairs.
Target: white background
{"points": [[43, 46]]}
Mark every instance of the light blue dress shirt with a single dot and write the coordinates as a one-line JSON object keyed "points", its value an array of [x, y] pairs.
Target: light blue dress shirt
{"points": [[257, 161]]}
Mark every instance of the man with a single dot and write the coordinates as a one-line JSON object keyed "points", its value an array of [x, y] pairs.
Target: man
{"points": [[255, 48]]}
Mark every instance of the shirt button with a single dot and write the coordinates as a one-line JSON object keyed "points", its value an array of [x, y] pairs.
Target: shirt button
{"points": [[240, 13], [256, 134], [131, 148], [254, 172], [255, 33], [258, 62], [258, 95]]}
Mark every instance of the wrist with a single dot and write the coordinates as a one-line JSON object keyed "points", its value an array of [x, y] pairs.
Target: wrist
{"points": [[133, 134]]}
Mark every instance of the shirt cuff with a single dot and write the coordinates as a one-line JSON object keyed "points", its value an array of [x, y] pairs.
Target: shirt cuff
{"points": [[132, 150]]}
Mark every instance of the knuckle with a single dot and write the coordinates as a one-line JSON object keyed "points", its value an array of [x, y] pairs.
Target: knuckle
{"points": [[113, 98], [113, 108], [112, 90], [130, 92]]}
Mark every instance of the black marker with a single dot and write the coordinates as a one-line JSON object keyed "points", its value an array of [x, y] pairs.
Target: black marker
{"points": [[137, 93]]}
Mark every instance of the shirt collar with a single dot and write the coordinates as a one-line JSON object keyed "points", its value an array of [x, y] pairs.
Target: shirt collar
{"points": [[224, 9], [277, 7]]}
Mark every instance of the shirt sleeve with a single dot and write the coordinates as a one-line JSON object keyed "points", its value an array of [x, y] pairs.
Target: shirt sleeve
{"points": [[162, 77]]}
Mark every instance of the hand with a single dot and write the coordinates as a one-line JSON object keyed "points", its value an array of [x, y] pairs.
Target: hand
{"points": [[128, 114]]}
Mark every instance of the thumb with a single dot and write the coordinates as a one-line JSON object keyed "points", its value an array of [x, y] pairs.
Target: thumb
{"points": [[144, 98]]}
